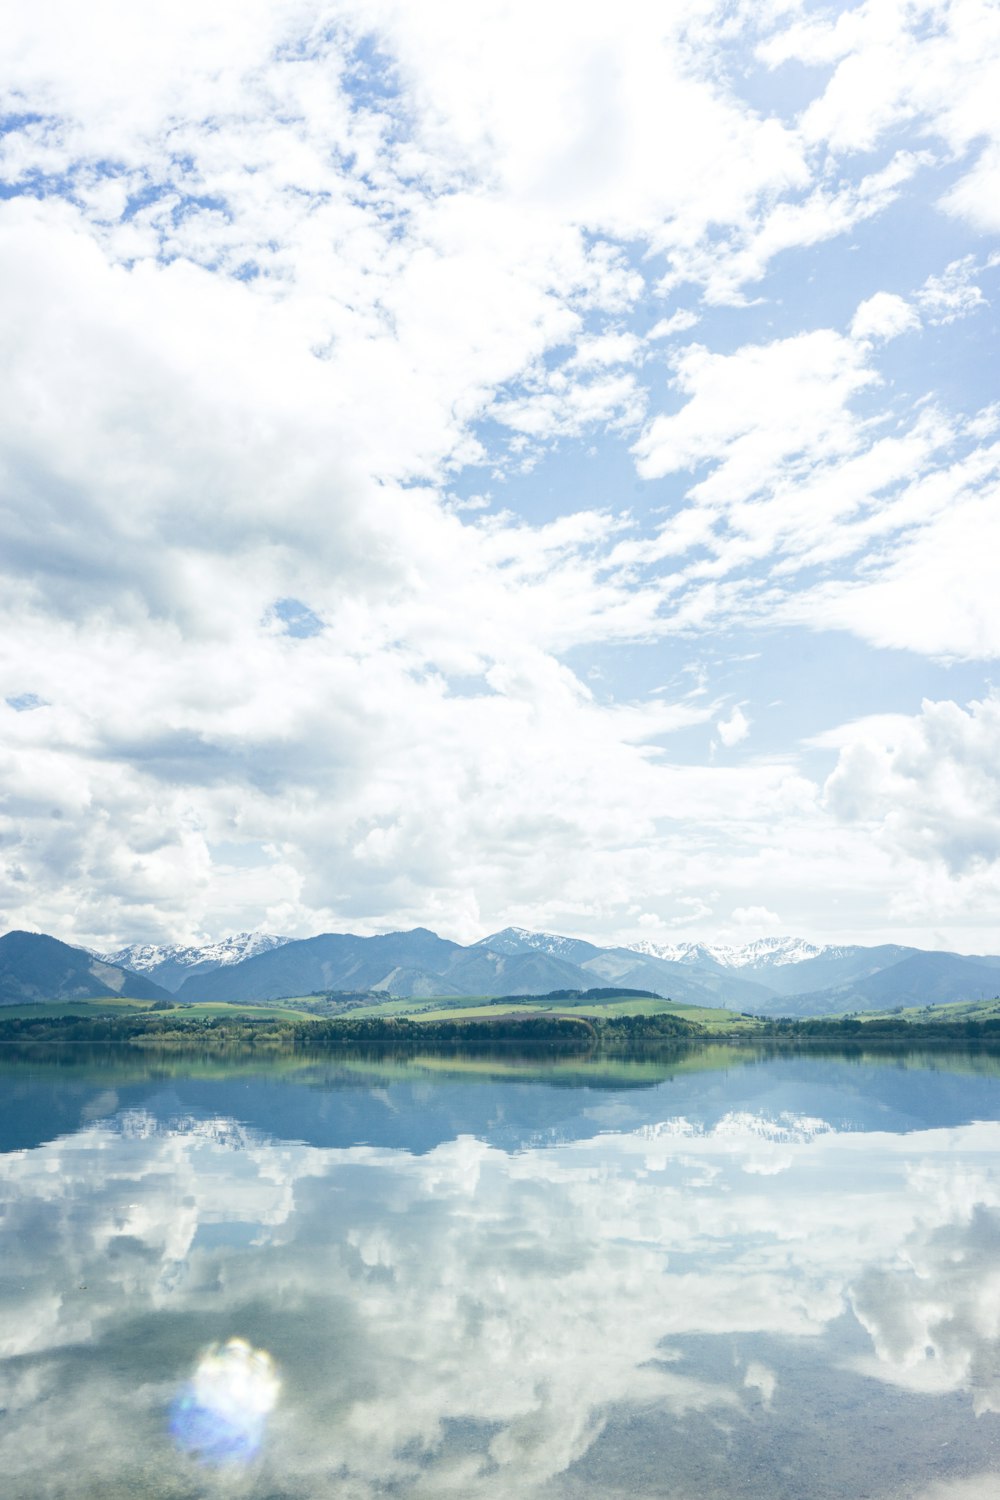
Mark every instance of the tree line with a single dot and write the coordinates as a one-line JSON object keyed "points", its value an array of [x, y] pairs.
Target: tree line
{"points": [[168, 1029]]}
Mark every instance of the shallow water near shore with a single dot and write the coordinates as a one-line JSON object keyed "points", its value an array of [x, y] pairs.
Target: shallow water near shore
{"points": [[702, 1273]]}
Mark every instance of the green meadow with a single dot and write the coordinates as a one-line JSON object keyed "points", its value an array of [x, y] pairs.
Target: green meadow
{"points": [[475, 1008], [85, 1009], [437, 1008], [121, 1005], [430, 1009], [955, 1010]]}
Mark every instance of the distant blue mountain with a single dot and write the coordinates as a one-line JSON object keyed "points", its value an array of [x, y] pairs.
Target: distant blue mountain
{"points": [[918, 979], [770, 976], [418, 963], [35, 967]]}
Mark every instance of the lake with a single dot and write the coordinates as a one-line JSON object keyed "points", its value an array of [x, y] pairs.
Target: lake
{"points": [[699, 1275]]}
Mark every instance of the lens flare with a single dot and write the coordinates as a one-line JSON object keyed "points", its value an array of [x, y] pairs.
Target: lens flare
{"points": [[221, 1413]]}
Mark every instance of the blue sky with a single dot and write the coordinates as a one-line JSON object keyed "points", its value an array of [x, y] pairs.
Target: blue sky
{"points": [[470, 465]]}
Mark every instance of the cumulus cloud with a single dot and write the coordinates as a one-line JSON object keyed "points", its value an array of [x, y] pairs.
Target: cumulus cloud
{"points": [[929, 782], [883, 316], [752, 411], [734, 728], [757, 917]]}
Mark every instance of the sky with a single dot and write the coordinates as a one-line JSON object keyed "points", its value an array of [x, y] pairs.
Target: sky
{"points": [[503, 463]]}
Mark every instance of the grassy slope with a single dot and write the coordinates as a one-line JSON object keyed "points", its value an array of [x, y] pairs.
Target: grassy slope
{"points": [[112, 1004], [477, 1007], [713, 1019], [954, 1010], [433, 1008], [81, 1008]]}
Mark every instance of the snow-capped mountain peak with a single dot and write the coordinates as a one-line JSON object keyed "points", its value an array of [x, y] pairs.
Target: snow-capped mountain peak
{"points": [[517, 939], [767, 952], [142, 958], [774, 951], [233, 950], [677, 953]]}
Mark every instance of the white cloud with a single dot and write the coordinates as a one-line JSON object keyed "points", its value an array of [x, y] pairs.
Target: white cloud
{"points": [[610, 348], [678, 322], [725, 268], [733, 729], [976, 195], [757, 918], [953, 294], [943, 559], [793, 471], [929, 67], [277, 273], [751, 412], [929, 783], [883, 316]]}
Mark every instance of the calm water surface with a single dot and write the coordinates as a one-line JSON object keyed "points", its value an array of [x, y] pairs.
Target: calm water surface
{"points": [[718, 1275]]}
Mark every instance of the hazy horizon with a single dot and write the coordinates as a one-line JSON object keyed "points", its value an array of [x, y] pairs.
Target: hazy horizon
{"points": [[673, 941]]}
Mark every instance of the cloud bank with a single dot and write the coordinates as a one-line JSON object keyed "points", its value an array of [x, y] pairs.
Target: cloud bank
{"points": [[411, 421]]}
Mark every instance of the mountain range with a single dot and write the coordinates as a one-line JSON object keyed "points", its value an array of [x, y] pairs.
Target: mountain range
{"points": [[768, 977]]}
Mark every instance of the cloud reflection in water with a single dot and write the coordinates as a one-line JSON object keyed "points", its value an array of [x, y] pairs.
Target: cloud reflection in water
{"points": [[684, 1307]]}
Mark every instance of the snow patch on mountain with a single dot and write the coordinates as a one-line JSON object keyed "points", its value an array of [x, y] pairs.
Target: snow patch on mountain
{"points": [[517, 939], [768, 952], [142, 958]]}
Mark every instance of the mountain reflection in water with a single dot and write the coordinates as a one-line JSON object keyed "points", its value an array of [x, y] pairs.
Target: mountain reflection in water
{"points": [[777, 1279]]}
